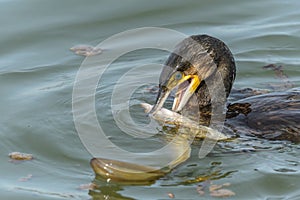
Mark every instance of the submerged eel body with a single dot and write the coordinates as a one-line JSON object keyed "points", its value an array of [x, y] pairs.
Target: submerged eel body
{"points": [[126, 173]]}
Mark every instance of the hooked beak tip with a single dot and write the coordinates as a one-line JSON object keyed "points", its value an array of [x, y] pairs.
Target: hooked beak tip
{"points": [[159, 103]]}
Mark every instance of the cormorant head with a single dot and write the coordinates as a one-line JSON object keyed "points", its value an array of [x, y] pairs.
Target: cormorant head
{"points": [[195, 60]]}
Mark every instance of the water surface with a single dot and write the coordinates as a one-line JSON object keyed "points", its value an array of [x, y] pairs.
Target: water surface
{"points": [[37, 73]]}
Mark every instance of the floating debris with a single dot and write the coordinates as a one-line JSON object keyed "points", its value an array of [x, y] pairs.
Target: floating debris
{"points": [[215, 187], [20, 156], [88, 186], [222, 193], [277, 69], [171, 195], [285, 170], [215, 190], [200, 190], [281, 75], [86, 50], [226, 184]]}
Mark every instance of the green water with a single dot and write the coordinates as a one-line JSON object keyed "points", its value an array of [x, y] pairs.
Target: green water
{"points": [[37, 73]]}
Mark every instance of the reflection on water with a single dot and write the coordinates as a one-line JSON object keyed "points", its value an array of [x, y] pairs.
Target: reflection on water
{"points": [[104, 190], [37, 73], [210, 171]]}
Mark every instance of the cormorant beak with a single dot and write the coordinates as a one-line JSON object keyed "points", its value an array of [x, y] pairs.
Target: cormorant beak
{"points": [[186, 86]]}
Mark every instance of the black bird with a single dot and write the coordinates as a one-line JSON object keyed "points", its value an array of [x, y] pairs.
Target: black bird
{"points": [[202, 71]]}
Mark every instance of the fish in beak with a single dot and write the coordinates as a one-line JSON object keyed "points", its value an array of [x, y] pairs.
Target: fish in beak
{"points": [[186, 86]]}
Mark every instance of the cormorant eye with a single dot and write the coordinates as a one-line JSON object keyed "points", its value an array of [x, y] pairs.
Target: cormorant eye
{"points": [[178, 76]]}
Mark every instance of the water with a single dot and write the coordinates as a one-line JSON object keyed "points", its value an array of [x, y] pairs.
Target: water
{"points": [[37, 73]]}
